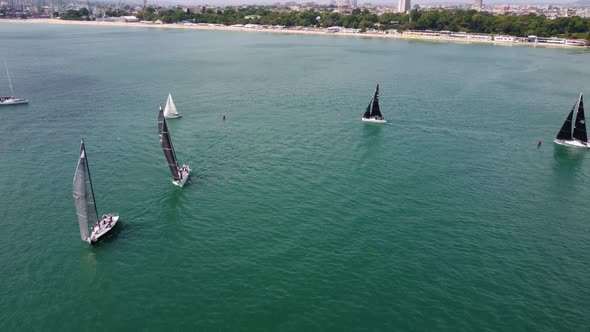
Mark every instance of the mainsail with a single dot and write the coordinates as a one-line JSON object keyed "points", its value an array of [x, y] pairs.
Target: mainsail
{"points": [[168, 148], [170, 108], [84, 195], [580, 124], [375, 111]]}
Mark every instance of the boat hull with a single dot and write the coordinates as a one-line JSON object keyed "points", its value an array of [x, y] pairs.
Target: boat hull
{"points": [[173, 116], [103, 228], [373, 120], [573, 143], [13, 101], [184, 178]]}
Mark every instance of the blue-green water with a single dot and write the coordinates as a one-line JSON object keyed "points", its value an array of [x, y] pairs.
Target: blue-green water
{"points": [[297, 215]]}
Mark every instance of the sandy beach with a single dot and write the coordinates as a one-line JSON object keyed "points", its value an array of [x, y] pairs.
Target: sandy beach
{"points": [[299, 30]]}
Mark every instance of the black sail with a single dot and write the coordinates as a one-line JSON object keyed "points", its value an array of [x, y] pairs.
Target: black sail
{"points": [[565, 133], [160, 123], [169, 149], [367, 112], [375, 111], [580, 124]]}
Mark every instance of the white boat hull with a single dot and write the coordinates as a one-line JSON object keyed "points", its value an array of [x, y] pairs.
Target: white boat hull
{"points": [[103, 227], [573, 143], [173, 116], [184, 178], [373, 120], [14, 101]]}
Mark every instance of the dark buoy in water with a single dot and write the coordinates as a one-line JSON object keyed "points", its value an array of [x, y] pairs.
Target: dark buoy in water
{"points": [[223, 116], [539, 143]]}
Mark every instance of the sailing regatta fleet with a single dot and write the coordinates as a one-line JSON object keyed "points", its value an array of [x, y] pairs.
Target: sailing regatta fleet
{"points": [[572, 134], [91, 228]]}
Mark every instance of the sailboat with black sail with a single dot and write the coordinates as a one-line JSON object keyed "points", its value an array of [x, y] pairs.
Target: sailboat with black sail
{"points": [[11, 100], [373, 112], [179, 174], [574, 134], [86, 204]]}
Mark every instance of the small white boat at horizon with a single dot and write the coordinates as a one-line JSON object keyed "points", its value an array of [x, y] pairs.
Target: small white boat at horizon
{"points": [[179, 174], [573, 134], [11, 100], [373, 112], [86, 204], [170, 111]]}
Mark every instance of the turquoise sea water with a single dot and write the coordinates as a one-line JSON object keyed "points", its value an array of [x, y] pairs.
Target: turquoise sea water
{"points": [[297, 216]]}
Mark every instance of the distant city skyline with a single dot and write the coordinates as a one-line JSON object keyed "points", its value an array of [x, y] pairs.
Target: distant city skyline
{"points": [[389, 3]]}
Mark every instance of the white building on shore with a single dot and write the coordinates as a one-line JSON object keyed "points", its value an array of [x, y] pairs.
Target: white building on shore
{"points": [[403, 6], [478, 5]]}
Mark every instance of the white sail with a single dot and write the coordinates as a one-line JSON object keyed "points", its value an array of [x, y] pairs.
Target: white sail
{"points": [[84, 196], [170, 110], [9, 80]]}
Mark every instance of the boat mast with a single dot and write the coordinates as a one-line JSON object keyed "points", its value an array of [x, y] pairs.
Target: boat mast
{"points": [[89, 179], [8, 75]]}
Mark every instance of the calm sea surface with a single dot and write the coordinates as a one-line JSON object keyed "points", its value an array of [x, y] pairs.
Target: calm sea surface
{"points": [[297, 217]]}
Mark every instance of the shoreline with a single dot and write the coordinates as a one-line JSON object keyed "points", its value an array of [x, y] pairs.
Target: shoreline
{"points": [[211, 27]]}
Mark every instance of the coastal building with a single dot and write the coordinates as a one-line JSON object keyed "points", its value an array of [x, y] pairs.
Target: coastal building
{"points": [[504, 38], [478, 4], [576, 42], [403, 6], [129, 19]]}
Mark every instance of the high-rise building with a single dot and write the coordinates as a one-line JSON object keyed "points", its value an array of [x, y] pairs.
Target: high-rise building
{"points": [[353, 3], [403, 6], [478, 4], [144, 4]]}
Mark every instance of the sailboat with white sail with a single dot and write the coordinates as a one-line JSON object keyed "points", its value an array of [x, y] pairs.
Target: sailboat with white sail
{"points": [[179, 174], [170, 111], [86, 204], [574, 134], [373, 112], [11, 100]]}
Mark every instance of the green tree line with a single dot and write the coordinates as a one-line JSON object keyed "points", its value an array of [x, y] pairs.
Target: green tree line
{"points": [[451, 20], [76, 15], [84, 14]]}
